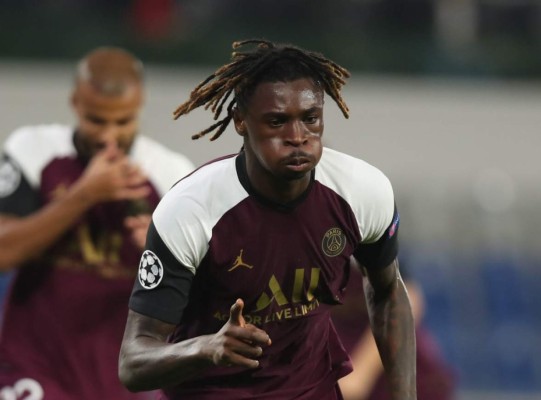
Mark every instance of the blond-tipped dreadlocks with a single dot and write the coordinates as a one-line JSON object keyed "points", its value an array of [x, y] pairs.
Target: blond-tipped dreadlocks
{"points": [[268, 62]]}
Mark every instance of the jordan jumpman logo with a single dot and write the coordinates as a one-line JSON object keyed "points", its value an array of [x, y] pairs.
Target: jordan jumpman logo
{"points": [[239, 263]]}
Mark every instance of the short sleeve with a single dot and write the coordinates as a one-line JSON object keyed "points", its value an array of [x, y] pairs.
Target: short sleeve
{"points": [[163, 284], [382, 252], [17, 197]]}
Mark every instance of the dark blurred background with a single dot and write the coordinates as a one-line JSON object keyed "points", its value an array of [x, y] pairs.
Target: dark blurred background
{"points": [[479, 38], [445, 99]]}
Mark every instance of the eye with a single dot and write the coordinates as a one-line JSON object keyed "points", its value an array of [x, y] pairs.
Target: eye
{"points": [[311, 119], [95, 120], [276, 122], [124, 121]]}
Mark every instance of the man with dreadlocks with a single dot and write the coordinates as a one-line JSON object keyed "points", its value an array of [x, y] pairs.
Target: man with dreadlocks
{"points": [[246, 257], [75, 204]]}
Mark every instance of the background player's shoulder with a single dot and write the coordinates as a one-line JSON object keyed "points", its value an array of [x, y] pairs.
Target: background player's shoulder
{"points": [[40, 138], [33, 147], [162, 165]]}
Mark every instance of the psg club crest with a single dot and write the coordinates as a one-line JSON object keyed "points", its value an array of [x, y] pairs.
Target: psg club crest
{"points": [[334, 242], [150, 270]]}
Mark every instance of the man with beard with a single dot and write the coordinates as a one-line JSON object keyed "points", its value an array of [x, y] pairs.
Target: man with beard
{"points": [[75, 204]]}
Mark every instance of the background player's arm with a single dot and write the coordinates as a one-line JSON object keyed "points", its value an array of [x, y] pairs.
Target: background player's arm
{"points": [[105, 179], [367, 366], [148, 362], [392, 324]]}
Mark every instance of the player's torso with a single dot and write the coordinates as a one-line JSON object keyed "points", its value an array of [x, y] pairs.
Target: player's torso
{"points": [[99, 242], [289, 265], [68, 307], [284, 263]]}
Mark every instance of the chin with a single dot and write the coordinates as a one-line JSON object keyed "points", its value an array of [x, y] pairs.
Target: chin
{"points": [[295, 176]]}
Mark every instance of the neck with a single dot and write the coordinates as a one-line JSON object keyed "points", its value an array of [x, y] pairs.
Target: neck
{"points": [[271, 187]]}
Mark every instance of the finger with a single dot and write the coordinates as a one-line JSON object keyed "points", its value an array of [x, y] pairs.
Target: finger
{"points": [[131, 169], [257, 336], [240, 353], [131, 222], [112, 146], [102, 155], [241, 361], [235, 315], [135, 180], [134, 222], [109, 150], [132, 193]]}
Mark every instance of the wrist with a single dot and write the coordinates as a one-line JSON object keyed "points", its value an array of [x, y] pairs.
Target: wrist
{"points": [[81, 195]]}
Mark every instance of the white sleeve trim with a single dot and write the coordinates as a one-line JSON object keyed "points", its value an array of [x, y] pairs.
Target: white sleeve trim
{"points": [[366, 189], [187, 214]]}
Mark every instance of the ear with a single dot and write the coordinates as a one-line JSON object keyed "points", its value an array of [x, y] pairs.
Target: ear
{"points": [[238, 120]]}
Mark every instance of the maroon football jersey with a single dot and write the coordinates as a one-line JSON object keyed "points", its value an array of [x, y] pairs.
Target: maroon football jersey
{"points": [[66, 311], [289, 263]]}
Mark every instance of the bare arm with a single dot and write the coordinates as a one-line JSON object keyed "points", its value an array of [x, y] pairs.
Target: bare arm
{"points": [[392, 324], [147, 362], [367, 366], [105, 179]]}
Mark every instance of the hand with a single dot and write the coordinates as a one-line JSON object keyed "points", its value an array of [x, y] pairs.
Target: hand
{"points": [[138, 225], [238, 343], [110, 176]]}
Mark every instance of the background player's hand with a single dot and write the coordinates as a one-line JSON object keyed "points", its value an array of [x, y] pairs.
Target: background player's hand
{"points": [[138, 225], [110, 176], [238, 343]]}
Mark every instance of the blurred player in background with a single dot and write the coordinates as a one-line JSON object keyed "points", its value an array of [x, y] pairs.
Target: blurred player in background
{"points": [[246, 257], [75, 204], [435, 378]]}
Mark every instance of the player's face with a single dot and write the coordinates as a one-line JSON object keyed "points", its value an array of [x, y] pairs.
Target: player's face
{"points": [[282, 127], [106, 120]]}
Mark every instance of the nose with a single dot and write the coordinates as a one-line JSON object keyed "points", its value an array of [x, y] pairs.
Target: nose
{"points": [[296, 135], [109, 137], [109, 131]]}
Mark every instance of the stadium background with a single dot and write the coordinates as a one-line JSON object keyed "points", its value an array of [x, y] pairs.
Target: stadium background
{"points": [[445, 98]]}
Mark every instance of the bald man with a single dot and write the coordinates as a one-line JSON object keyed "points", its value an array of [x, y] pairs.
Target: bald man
{"points": [[75, 205]]}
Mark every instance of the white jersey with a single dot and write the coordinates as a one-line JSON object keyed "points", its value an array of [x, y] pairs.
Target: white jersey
{"points": [[31, 148]]}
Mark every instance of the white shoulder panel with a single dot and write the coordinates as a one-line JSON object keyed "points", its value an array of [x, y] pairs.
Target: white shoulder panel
{"points": [[366, 189], [188, 212], [33, 147], [161, 165]]}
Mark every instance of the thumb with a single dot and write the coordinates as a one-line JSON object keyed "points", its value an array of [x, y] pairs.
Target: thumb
{"points": [[235, 315], [110, 150]]}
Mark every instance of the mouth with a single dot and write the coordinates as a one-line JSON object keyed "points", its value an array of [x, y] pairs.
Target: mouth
{"points": [[298, 162]]}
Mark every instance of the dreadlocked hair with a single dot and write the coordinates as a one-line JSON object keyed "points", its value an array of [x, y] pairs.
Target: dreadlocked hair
{"points": [[267, 62]]}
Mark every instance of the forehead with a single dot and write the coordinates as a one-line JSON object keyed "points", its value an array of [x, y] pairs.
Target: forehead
{"points": [[94, 101], [283, 96]]}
